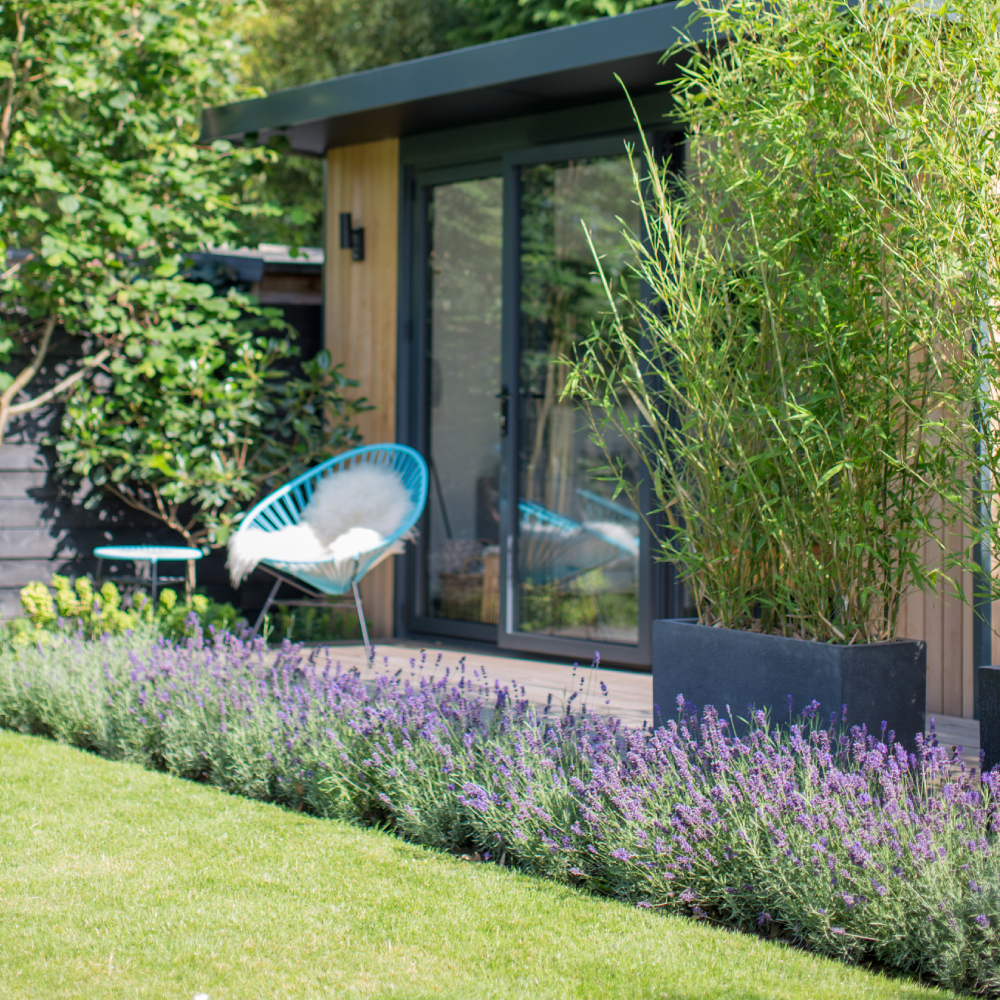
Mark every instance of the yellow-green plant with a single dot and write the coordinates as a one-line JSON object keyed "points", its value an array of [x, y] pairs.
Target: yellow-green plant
{"points": [[812, 377], [76, 607]]}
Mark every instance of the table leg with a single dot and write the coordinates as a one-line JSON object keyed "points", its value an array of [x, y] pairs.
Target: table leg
{"points": [[153, 563]]}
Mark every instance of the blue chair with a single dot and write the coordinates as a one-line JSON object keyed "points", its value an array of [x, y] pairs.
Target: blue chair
{"points": [[598, 508], [284, 508]]}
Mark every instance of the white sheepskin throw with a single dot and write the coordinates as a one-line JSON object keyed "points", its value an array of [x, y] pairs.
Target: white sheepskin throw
{"points": [[363, 497], [350, 513]]}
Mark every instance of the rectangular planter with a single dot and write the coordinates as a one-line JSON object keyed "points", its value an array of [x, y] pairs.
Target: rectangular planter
{"points": [[719, 666]]}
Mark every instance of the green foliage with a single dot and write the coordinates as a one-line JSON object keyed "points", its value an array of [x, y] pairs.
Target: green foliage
{"points": [[548, 606], [295, 42], [294, 186], [557, 13], [203, 417], [76, 608], [102, 186], [292, 42], [806, 381], [104, 191]]}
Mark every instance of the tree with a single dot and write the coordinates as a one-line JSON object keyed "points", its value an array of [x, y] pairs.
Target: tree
{"points": [[195, 410], [101, 184], [292, 42]]}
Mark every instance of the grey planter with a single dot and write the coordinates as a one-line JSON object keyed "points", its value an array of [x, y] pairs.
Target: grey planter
{"points": [[718, 666], [989, 716]]}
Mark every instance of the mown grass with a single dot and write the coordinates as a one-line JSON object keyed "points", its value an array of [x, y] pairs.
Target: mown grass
{"points": [[116, 882]]}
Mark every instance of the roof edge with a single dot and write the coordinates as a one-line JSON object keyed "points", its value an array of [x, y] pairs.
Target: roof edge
{"points": [[499, 64]]}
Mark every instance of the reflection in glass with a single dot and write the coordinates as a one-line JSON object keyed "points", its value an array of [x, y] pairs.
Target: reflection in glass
{"points": [[577, 548], [463, 560]]}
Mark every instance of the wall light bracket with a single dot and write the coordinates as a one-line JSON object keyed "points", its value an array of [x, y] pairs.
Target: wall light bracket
{"points": [[350, 238]]}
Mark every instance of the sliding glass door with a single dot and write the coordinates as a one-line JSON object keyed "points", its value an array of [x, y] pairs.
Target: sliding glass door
{"points": [[463, 337], [577, 547], [524, 541]]}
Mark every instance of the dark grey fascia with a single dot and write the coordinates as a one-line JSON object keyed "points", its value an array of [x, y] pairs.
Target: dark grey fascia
{"points": [[533, 73]]}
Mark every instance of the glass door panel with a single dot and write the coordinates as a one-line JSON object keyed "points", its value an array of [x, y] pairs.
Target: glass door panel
{"points": [[462, 561], [577, 558]]}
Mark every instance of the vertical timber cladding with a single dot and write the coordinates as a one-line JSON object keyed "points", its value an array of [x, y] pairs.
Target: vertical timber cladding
{"points": [[360, 319], [945, 623]]}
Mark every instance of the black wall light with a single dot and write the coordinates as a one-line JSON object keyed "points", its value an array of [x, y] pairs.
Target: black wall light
{"points": [[350, 238]]}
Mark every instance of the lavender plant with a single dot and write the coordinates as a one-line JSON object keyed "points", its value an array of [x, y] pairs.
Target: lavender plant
{"points": [[837, 840]]}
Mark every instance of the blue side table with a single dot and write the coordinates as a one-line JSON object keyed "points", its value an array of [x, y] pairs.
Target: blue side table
{"points": [[147, 553]]}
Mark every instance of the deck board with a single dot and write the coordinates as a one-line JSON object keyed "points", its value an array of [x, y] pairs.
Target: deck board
{"points": [[631, 692]]}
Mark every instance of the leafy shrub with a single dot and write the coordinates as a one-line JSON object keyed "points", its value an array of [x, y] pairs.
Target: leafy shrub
{"points": [[840, 842], [195, 428], [77, 609], [103, 185]]}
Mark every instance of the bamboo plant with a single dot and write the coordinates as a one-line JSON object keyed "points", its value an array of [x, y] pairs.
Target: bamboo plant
{"points": [[810, 377]]}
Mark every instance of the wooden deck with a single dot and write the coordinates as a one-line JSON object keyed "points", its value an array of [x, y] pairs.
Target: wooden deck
{"points": [[953, 732], [630, 692]]}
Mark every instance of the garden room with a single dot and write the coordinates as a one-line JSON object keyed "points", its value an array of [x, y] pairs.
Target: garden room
{"points": [[471, 182]]}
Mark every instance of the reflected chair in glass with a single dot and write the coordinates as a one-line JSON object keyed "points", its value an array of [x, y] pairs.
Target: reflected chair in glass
{"points": [[553, 548]]}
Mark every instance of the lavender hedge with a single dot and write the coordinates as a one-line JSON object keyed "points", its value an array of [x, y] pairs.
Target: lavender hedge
{"points": [[840, 842]]}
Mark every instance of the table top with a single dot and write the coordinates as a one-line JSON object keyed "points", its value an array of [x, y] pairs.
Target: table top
{"points": [[147, 553]]}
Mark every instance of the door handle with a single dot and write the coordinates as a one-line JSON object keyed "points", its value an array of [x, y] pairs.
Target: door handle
{"points": [[504, 396]]}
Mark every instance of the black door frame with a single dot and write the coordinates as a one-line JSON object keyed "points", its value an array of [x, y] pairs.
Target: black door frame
{"points": [[503, 155]]}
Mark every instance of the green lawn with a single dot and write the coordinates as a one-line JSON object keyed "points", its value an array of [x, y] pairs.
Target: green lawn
{"points": [[116, 882]]}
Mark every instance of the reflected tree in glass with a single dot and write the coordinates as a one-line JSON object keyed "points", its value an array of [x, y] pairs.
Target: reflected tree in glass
{"points": [[464, 305], [577, 547]]}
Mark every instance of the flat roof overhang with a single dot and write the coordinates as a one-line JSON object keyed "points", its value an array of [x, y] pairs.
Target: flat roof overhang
{"points": [[543, 71]]}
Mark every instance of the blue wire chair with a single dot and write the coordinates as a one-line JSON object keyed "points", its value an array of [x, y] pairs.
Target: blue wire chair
{"points": [[284, 508], [598, 508]]}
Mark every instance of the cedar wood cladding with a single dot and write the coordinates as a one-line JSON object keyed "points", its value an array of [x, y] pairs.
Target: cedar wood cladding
{"points": [[361, 308]]}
